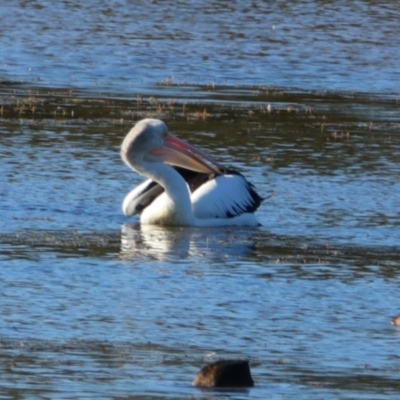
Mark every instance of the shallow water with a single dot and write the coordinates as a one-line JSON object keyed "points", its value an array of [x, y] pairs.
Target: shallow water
{"points": [[95, 306]]}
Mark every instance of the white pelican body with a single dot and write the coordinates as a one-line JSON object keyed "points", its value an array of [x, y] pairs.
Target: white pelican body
{"points": [[185, 187]]}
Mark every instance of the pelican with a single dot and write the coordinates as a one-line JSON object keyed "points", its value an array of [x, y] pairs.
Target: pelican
{"points": [[185, 187]]}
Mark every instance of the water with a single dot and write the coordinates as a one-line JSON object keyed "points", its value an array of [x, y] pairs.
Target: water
{"points": [[126, 45], [302, 98]]}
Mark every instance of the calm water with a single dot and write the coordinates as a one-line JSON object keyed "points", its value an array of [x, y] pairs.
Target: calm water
{"points": [[125, 45], [303, 98]]}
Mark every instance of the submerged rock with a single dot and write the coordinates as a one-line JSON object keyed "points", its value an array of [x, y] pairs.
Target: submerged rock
{"points": [[225, 373], [395, 320]]}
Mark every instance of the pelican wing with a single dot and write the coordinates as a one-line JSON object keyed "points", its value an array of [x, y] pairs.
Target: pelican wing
{"points": [[225, 196], [140, 197]]}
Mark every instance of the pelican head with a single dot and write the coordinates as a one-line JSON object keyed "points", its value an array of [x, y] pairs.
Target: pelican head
{"points": [[148, 134], [150, 141]]}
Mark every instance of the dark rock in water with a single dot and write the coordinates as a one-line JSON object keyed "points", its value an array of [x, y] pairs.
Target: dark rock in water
{"points": [[225, 373]]}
